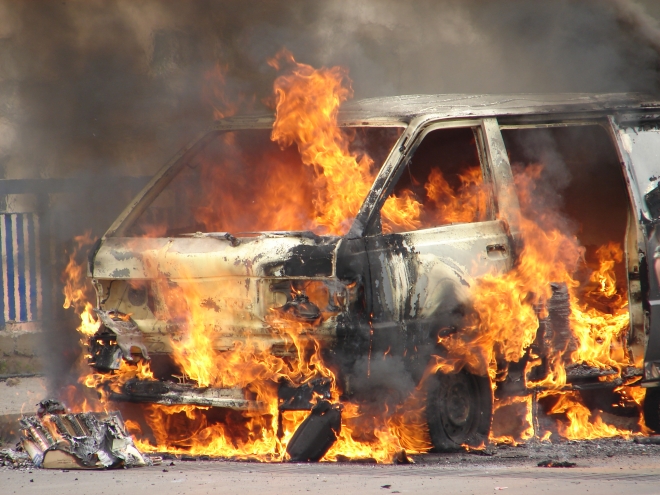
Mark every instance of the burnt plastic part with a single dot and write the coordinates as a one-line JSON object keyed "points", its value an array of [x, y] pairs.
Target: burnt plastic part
{"points": [[310, 261], [146, 389], [554, 333], [316, 434], [50, 406], [459, 410], [105, 354], [558, 335], [581, 376], [299, 398], [128, 335]]}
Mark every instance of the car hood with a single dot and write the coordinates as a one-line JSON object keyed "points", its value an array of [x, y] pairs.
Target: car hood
{"points": [[266, 254]]}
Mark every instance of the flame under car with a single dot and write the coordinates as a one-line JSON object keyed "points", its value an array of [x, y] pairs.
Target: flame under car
{"points": [[225, 238]]}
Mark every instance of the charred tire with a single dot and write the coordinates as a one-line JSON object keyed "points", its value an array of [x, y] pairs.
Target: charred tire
{"points": [[652, 408], [459, 409]]}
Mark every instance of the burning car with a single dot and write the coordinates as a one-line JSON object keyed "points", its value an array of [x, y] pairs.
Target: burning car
{"points": [[486, 247]]}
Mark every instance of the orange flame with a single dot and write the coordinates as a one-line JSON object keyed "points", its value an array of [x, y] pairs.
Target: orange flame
{"points": [[76, 287], [215, 95], [466, 204], [307, 102], [582, 424], [253, 367], [507, 306]]}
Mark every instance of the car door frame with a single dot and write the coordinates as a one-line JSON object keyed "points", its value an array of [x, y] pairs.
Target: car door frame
{"points": [[645, 314], [389, 331]]}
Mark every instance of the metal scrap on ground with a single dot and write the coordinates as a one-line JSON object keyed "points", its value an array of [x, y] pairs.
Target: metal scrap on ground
{"points": [[57, 440]]}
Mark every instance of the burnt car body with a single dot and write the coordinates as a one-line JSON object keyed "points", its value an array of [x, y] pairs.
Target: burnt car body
{"points": [[385, 291]]}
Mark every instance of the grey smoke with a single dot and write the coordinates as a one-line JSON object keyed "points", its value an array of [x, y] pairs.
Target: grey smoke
{"points": [[114, 86]]}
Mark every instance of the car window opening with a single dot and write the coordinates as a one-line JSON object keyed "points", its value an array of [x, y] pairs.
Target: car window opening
{"points": [[580, 178], [445, 177], [244, 182]]}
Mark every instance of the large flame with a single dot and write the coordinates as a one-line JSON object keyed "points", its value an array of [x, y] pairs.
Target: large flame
{"points": [[508, 307], [307, 102], [582, 424], [251, 366]]}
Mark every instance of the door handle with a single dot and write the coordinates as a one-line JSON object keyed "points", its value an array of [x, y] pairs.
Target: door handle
{"points": [[496, 251]]}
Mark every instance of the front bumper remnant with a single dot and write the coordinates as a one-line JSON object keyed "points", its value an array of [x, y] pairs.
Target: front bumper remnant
{"points": [[169, 394]]}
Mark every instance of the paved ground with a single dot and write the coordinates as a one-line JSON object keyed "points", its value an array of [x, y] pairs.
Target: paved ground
{"points": [[603, 467], [602, 477], [17, 395]]}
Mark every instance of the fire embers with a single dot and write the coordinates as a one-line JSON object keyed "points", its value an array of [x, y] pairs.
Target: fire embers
{"points": [[56, 440], [316, 434]]}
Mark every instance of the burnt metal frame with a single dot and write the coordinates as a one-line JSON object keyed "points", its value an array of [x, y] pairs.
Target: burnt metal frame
{"points": [[494, 162]]}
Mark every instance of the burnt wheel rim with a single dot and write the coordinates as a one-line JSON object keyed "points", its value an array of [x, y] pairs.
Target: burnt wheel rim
{"points": [[460, 407]]}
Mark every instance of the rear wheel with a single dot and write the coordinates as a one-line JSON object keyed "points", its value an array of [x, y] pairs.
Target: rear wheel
{"points": [[652, 409], [459, 410]]}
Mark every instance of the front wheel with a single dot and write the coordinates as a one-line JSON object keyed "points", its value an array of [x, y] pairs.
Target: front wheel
{"points": [[459, 409]]}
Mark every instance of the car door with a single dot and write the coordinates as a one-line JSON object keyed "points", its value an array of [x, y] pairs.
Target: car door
{"points": [[638, 144], [459, 176]]}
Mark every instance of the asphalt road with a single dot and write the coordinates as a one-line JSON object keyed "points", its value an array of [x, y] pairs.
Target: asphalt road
{"points": [[635, 469], [602, 467]]}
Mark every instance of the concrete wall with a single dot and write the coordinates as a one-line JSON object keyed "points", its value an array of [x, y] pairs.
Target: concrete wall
{"points": [[20, 348]]}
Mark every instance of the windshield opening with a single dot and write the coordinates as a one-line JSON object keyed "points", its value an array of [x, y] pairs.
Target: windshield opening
{"points": [[244, 182]]}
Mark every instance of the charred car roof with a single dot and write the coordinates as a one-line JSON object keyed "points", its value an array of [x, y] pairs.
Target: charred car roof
{"points": [[403, 109]]}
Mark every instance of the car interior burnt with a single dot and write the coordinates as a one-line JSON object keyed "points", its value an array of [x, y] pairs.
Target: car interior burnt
{"points": [[582, 162], [582, 180], [225, 186], [404, 302]]}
